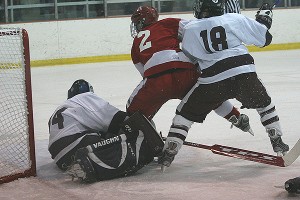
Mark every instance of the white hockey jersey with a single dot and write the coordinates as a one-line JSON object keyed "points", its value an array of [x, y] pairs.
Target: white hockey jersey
{"points": [[81, 113], [217, 44]]}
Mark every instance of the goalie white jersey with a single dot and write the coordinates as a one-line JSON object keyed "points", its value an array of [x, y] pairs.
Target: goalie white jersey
{"points": [[83, 112], [217, 44]]}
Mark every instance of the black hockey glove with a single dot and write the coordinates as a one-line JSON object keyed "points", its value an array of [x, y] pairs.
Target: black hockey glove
{"points": [[264, 15], [293, 185]]}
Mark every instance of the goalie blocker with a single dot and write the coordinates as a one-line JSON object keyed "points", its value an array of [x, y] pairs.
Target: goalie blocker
{"points": [[120, 155]]}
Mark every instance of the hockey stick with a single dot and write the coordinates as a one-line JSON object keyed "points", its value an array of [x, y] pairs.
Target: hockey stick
{"points": [[278, 161], [275, 4], [271, 8]]}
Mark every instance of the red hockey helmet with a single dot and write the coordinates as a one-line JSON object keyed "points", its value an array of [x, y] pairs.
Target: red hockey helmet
{"points": [[142, 17]]}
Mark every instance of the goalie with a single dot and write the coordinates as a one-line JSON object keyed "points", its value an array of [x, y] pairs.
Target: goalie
{"points": [[93, 140]]}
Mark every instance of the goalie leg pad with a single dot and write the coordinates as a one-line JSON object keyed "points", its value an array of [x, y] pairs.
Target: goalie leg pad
{"points": [[137, 122]]}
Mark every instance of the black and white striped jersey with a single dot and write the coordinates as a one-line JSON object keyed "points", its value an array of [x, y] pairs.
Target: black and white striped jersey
{"points": [[218, 44], [232, 6]]}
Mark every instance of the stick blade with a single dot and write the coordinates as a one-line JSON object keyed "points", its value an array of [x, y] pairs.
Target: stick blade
{"points": [[248, 155], [292, 155]]}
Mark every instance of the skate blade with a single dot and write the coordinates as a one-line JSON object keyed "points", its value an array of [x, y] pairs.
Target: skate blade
{"points": [[163, 168], [251, 131]]}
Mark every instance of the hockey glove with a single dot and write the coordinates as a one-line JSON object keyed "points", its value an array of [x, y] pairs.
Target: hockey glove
{"points": [[293, 185], [171, 148], [264, 15]]}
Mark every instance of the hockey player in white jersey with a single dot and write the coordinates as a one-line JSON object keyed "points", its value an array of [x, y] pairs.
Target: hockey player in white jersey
{"points": [[94, 140], [216, 41]]}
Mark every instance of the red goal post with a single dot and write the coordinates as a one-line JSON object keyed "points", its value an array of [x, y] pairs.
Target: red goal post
{"points": [[17, 148]]}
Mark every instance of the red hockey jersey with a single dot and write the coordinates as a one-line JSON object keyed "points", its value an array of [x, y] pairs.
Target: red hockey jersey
{"points": [[157, 48]]}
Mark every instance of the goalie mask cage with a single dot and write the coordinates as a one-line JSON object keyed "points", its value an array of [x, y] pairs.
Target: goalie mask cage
{"points": [[17, 150]]}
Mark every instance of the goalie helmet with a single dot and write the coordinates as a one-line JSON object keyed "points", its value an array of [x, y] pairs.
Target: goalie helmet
{"points": [[208, 8], [142, 17], [78, 87]]}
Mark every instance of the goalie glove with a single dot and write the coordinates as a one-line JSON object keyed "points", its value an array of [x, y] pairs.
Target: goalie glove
{"points": [[293, 185], [264, 15]]}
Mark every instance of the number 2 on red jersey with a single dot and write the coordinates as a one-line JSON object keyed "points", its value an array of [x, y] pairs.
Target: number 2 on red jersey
{"points": [[144, 43]]}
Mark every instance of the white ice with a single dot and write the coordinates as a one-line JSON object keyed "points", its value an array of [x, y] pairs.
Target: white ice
{"points": [[195, 173]]}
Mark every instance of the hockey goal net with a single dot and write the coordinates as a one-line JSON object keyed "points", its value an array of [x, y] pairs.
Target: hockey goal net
{"points": [[17, 151]]}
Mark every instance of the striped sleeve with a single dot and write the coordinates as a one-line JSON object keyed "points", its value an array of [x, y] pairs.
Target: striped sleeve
{"points": [[232, 6]]}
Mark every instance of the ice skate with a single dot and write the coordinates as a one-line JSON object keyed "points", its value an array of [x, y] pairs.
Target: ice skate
{"points": [[168, 155], [82, 167], [278, 145], [242, 122]]}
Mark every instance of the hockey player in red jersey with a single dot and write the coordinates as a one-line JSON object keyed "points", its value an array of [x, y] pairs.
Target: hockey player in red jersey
{"points": [[167, 73]]}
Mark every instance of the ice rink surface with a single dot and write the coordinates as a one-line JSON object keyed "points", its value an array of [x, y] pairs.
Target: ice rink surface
{"points": [[195, 174]]}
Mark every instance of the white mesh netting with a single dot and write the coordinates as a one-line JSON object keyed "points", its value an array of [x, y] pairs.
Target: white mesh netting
{"points": [[14, 134]]}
